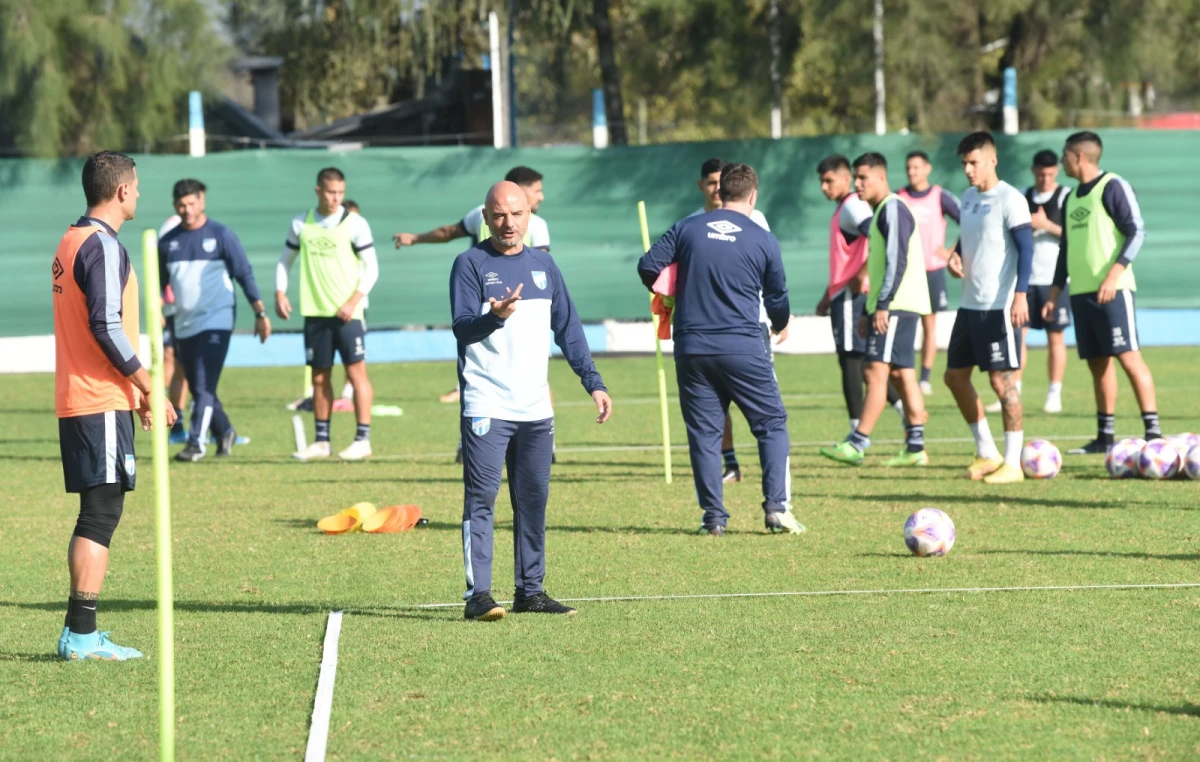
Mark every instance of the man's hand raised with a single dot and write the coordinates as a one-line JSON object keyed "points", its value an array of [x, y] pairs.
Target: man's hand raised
{"points": [[504, 308]]}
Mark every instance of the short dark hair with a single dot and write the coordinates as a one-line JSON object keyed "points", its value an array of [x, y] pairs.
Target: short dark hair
{"points": [[351, 206], [187, 187], [330, 173], [871, 159], [832, 164], [523, 176], [103, 173], [738, 181], [711, 165], [1045, 158], [918, 155], [1087, 136], [974, 142]]}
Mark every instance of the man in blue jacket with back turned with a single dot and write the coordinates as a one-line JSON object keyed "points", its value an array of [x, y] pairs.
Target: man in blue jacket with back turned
{"points": [[726, 262]]}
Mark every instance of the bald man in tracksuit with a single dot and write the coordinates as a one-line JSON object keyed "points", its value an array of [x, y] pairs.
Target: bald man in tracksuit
{"points": [[726, 263]]}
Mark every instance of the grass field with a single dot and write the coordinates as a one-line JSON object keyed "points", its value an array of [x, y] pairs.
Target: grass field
{"points": [[1081, 674]]}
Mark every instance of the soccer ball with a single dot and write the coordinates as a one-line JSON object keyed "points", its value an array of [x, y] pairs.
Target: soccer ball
{"points": [[1191, 463], [1159, 460], [1184, 443], [929, 532], [1122, 459], [1040, 459]]}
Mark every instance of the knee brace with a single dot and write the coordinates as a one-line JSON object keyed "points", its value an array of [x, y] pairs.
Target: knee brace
{"points": [[99, 513]]}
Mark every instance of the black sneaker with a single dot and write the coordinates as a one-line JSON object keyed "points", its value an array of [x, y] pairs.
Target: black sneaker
{"points": [[717, 531], [481, 607], [1151, 437], [225, 444], [1094, 447], [540, 604], [189, 454], [731, 475]]}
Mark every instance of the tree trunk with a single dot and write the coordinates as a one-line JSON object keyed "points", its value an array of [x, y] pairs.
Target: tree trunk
{"points": [[610, 74]]}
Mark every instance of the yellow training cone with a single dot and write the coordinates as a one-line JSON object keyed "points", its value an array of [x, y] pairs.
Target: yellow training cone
{"points": [[339, 524], [359, 510]]}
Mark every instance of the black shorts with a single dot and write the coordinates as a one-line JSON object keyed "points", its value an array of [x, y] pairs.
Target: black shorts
{"points": [[939, 298], [1105, 330], [97, 449], [897, 347], [325, 335], [844, 312], [1038, 296], [169, 333], [985, 339]]}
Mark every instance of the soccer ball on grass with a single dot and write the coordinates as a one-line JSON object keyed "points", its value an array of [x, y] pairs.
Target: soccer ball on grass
{"points": [[929, 532]]}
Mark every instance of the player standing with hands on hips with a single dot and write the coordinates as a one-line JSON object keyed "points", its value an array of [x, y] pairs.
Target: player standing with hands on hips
{"points": [[726, 264], [506, 299], [1103, 234], [98, 380]]}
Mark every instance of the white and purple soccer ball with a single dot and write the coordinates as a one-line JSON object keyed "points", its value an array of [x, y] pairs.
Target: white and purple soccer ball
{"points": [[1184, 442], [929, 532], [1040, 459], [1123, 458], [1159, 460], [1191, 463]]}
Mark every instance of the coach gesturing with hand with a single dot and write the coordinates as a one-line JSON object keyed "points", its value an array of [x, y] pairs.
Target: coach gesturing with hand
{"points": [[505, 300]]}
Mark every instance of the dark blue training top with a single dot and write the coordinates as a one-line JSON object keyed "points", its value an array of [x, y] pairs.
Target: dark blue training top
{"points": [[727, 263], [201, 265]]}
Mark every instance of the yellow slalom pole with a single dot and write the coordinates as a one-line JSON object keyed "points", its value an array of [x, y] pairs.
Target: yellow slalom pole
{"points": [[662, 374], [162, 502]]}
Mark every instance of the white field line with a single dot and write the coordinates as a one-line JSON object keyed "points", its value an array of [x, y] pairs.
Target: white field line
{"points": [[826, 593], [318, 733]]}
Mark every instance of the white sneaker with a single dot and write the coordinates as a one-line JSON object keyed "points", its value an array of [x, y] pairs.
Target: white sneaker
{"points": [[995, 407], [359, 449], [313, 451], [1053, 403], [926, 388]]}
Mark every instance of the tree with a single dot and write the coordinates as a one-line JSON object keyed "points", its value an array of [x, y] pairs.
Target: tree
{"points": [[610, 74], [80, 75]]}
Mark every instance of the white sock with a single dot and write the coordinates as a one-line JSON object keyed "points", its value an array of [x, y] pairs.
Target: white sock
{"points": [[1013, 442], [985, 446], [898, 406], [348, 391], [854, 424], [1055, 388], [1018, 388]]}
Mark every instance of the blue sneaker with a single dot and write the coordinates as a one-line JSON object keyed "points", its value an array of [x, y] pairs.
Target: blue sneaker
{"points": [[177, 436], [62, 643], [94, 645]]}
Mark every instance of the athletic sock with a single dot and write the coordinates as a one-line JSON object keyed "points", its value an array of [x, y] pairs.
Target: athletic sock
{"points": [[915, 437], [1055, 388], [985, 446], [1150, 421], [730, 458], [1106, 424], [853, 424], [348, 391], [1018, 388], [363, 433], [858, 440], [1013, 442], [925, 374], [81, 615], [322, 430]]}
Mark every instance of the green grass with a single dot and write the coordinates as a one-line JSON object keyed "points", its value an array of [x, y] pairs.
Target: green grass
{"points": [[1084, 674]]}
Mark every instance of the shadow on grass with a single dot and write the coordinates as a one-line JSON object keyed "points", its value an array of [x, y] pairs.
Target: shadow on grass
{"points": [[244, 607], [995, 499], [27, 658], [1186, 710], [1100, 553]]}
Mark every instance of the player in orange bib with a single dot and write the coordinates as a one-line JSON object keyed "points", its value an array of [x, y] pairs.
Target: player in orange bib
{"points": [[98, 383]]}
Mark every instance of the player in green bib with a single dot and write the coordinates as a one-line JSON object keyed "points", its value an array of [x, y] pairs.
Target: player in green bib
{"points": [[338, 267], [1103, 233], [898, 297]]}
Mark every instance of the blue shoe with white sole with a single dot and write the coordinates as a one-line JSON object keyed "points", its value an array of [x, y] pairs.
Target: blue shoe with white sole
{"points": [[94, 645], [62, 643]]}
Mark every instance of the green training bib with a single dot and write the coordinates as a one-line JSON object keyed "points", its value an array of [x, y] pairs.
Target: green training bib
{"points": [[329, 268], [1093, 241], [913, 293]]}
